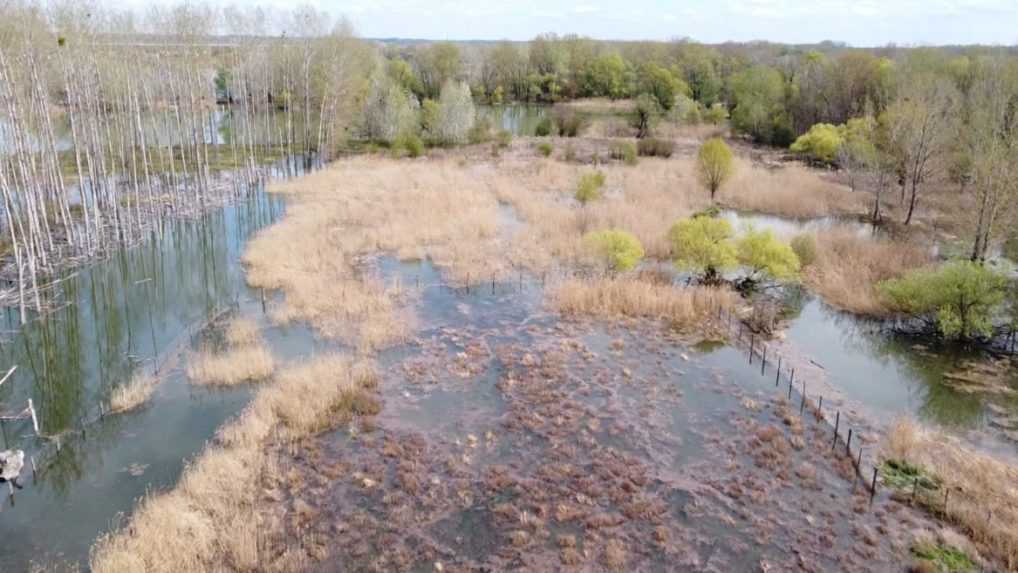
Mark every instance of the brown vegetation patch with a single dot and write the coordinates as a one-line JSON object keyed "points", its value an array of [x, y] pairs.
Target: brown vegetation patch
{"points": [[134, 393], [983, 496], [683, 307], [213, 519], [848, 268]]}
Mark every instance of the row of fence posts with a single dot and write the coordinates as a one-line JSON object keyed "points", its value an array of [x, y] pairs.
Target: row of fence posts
{"points": [[758, 350]]}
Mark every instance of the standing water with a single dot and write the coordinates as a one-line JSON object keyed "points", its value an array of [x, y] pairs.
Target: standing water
{"points": [[133, 312]]}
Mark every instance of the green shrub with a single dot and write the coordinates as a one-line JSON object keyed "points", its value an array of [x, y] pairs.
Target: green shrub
{"points": [[765, 256], [544, 127], [944, 557], [805, 247], [703, 245], [480, 132], [589, 188], [714, 164], [716, 114], [959, 299], [545, 149], [651, 147], [504, 139], [821, 143], [569, 123], [619, 250], [624, 151], [408, 144]]}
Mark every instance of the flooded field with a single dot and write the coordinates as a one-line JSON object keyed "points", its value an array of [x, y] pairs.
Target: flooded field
{"points": [[140, 311], [510, 438]]}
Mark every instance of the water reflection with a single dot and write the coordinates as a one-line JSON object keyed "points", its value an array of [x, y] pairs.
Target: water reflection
{"points": [[886, 373], [118, 316], [517, 119]]}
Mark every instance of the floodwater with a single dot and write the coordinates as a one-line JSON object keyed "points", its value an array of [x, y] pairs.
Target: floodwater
{"points": [[628, 401], [513, 439], [882, 374], [142, 309], [516, 118]]}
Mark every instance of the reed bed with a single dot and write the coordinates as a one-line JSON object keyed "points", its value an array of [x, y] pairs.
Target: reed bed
{"points": [[246, 358], [235, 366], [134, 393], [848, 268], [984, 490], [214, 519], [790, 190], [682, 307]]}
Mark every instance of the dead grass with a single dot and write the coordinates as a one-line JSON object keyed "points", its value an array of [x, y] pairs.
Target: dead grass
{"points": [[683, 307], [235, 366], [242, 332], [435, 209], [848, 268], [984, 490], [214, 519], [789, 190], [134, 393]]}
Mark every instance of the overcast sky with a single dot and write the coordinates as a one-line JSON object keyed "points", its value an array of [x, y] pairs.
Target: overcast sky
{"points": [[857, 22]]}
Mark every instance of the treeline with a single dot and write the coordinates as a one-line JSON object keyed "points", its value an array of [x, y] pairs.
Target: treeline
{"points": [[102, 138]]}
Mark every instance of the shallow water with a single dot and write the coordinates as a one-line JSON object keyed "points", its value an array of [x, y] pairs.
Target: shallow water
{"points": [[786, 227], [510, 438], [516, 118], [140, 310]]}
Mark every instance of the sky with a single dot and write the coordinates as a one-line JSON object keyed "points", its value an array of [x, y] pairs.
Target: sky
{"points": [[856, 22]]}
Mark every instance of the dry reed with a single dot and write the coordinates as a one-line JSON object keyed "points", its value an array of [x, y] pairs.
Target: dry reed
{"points": [[790, 190], [984, 489], [134, 393], [848, 268], [213, 519], [235, 366], [683, 307]]}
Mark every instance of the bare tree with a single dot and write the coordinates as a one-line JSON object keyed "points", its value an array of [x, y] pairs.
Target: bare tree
{"points": [[922, 123]]}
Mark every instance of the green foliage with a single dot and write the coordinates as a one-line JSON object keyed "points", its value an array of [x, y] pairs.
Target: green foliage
{"points": [[903, 476], [651, 147], [480, 132], [661, 84], [716, 114], [945, 558], [589, 188], [568, 123], [545, 149], [703, 245], [805, 247], [767, 257], [409, 144], [821, 143], [714, 164], [619, 250], [625, 152], [606, 76], [544, 127], [759, 94], [645, 113], [959, 298], [429, 119], [503, 139]]}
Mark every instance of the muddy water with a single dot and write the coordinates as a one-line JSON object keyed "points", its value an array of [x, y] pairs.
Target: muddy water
{"points": [[513, 439], [141, 310]]}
